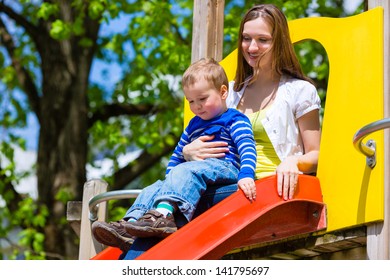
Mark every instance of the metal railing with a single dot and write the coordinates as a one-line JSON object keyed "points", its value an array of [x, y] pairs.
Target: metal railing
{"points": [[97, 199], [369, 149]]}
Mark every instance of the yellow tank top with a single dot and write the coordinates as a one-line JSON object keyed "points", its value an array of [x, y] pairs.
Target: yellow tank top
{"points": [[267, 159]]}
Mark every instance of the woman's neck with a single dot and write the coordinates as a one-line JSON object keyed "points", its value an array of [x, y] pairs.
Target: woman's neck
{"points": [[266, 79], [260, 94]]}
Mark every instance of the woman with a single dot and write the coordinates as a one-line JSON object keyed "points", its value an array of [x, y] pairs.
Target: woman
{"points": [[281, 102]]}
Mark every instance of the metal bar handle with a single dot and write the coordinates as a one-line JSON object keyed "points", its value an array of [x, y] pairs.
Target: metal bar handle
{"points": [[121, 194], [369, 149]]}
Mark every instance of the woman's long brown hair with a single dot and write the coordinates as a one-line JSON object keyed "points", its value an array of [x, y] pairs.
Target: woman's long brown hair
{"points": [[284, 59]]}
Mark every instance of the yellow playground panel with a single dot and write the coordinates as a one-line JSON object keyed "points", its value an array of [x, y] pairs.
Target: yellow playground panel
{"points": [[353, 192]]}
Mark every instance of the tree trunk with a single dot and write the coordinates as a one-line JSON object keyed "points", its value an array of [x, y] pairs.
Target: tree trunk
{"points": [[62, 145], [63, 138]]}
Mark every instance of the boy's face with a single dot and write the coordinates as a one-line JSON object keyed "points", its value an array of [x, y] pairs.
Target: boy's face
{"points": [[206, 101]]}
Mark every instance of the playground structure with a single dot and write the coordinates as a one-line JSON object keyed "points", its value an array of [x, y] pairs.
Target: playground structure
{"points": [[349, 198]]}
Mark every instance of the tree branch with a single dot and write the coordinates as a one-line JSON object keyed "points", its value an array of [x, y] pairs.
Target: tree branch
{"points": [[12, 204], [128, 173], [181, 38], [30, 28], [25, 80], [116, 109]]}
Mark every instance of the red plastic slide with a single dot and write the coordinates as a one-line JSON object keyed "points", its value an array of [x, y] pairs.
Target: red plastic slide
{"points": [[236, 222]]}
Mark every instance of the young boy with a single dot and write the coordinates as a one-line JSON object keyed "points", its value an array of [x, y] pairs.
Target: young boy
{"points": [[205, 87]]}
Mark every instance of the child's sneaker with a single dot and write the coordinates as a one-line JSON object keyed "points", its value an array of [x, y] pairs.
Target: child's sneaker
{"points": [[113, 234], [153, 223]]}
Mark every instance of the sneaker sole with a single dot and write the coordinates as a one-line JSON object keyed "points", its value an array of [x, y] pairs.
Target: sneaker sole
{"points": [[148, 231], [110, 237]]}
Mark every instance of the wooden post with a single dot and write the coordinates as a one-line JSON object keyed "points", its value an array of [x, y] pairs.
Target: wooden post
{"points": [[73, 215], [207, 32], [89, 247], [378, 235]]}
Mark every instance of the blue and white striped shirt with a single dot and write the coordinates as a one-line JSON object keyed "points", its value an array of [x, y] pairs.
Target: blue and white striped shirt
{"points": [[232, 127]]}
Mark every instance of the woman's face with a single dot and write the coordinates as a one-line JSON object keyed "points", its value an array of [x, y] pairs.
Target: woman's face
{"points": [[256, 39]]}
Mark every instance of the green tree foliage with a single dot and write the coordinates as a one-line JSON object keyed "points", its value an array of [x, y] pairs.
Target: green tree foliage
{"points": [[47, 51]]}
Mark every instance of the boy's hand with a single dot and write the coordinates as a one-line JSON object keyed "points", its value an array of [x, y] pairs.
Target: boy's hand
{"points": [[247, 185]]}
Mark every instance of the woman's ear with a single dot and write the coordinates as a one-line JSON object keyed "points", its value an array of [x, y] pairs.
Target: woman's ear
{"points": [[224, 91]]}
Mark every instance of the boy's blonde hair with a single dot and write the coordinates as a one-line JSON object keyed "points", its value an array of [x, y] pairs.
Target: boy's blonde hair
{"points": [[208, 69]]}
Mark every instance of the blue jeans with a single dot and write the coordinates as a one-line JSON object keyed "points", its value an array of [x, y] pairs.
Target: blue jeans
{"points": [[209, 198], [184, 185]]}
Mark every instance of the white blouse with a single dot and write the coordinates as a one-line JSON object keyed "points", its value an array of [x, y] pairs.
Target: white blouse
{"points": [[294, 99]]}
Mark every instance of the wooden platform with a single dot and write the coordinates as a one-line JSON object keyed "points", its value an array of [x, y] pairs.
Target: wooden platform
{"points": [[339, 245]]}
